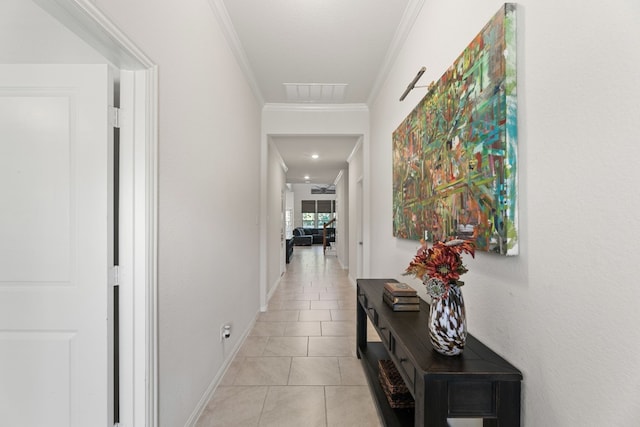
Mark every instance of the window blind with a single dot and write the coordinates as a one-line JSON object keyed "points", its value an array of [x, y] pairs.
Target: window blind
{"points": [[324, 206], [309, 206]]}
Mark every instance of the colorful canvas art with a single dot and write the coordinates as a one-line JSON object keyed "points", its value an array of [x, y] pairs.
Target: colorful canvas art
{"points": [[454, 156]]}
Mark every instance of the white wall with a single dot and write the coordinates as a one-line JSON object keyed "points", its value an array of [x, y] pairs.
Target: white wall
{"points": [[565, 310], [209, 137], [284, 119], [342, 219]]}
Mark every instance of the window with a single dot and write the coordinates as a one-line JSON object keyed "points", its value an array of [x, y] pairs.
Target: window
{"points": [[325, 211], [308, 220], [315, 213], [323, 218], [309, 213], [288, 223]]}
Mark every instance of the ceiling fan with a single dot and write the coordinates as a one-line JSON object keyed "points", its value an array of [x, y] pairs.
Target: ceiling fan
{"points": [[323, 189]]}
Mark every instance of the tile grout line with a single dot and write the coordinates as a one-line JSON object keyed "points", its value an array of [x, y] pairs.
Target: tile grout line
{"points": [[290, 366], [326, 409], [264, 401]]}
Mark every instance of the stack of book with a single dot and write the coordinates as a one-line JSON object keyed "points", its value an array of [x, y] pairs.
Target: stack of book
{"points": [[401, 297]]}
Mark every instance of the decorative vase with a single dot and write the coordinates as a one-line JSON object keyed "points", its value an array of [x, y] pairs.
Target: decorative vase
{"points": [[448, 322]]}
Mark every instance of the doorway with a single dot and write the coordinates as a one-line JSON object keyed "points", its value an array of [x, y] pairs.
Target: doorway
{"points": [[137, 248]]}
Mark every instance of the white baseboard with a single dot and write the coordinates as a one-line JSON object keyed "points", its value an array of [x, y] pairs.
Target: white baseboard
{"points": [[208, 394], [271, 292]]}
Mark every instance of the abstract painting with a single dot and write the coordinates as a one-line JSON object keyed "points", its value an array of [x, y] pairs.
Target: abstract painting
{"points": [[454, 156]]}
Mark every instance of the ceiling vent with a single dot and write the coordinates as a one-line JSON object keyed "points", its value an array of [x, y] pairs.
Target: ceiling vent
{"points": [[315, 92]]}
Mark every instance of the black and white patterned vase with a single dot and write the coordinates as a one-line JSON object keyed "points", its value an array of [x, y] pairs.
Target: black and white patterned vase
{"points": [[448, 322]]}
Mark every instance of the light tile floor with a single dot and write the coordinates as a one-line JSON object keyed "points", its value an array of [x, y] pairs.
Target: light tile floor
{"points": [[298, 365]]}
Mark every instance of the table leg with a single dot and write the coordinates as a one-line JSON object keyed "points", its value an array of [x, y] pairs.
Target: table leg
{"points": [[508, 403], [434, 407], [361, 327]]}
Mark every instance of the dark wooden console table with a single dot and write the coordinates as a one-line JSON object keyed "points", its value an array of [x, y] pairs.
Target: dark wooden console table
{"points": [[476, 384]]}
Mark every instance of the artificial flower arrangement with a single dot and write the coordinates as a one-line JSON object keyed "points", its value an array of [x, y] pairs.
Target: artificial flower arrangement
{"points": [[440, 266]]}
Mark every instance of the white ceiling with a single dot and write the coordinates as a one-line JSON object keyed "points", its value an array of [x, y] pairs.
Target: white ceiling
{"points": [[339, 50], [332, 151], [317, 41]]}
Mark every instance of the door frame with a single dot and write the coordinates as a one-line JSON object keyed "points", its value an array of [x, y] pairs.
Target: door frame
{"points": [[139, 234], [283, 232], [360, 228]]}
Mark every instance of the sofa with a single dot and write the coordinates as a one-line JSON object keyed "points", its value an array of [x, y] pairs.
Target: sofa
{"points": [[312, 236]]}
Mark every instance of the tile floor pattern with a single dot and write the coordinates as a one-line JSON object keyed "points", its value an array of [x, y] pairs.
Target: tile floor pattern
{"points": [[298, 365]]}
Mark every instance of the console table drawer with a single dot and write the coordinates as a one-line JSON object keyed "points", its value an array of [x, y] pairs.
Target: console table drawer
{"points": [[383, 330], [404, 365]]}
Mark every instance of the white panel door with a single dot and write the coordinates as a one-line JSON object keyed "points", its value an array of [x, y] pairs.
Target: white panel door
{"points": [[55, 245]]}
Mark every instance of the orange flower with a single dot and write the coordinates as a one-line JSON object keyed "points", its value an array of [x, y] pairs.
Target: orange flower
{"points": [[442, 261]]}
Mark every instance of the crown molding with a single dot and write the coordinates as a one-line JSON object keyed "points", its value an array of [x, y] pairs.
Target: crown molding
{"points": [[222, 15], [409, 17], [355, 150], [316, 107], [88, 22]]}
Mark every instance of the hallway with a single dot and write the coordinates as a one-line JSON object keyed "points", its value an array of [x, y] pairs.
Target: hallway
{"points": [[298, 365]]}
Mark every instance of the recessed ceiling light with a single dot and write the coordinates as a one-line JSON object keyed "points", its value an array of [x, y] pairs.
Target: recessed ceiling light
{"points": [[314, 156]]}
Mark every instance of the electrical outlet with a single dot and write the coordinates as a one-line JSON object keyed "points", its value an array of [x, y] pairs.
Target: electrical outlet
{"points": [[225, 331]]}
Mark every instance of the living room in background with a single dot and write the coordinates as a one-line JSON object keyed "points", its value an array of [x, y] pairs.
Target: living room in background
{"points": [[318, 223]]}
